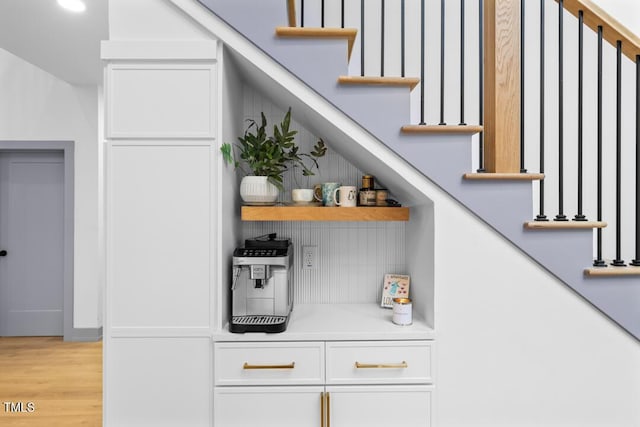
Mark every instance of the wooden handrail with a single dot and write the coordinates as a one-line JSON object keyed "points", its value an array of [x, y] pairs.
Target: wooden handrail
{"points": [[612, 30], [291, 12]]}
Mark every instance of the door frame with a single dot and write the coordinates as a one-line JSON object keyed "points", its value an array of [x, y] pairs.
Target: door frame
{"points": [[67, 148]]}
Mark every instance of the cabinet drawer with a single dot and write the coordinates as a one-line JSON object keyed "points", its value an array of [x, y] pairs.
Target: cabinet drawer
{"points": [[373, 362], [273, 363]]}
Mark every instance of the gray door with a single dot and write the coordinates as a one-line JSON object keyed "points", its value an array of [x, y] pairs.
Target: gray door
{"points": [[31, 243]]}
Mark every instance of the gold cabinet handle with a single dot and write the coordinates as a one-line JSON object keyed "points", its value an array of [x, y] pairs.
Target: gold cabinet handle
{"points": [[289, 366], [322, 410], [328, 409], [401, 365]]}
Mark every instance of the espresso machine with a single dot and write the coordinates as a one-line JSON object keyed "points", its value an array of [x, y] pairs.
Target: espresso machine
{"points": [[262, 288]]}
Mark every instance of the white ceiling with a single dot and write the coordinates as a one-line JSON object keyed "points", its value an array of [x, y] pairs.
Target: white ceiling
{"points": [[62, 43]]}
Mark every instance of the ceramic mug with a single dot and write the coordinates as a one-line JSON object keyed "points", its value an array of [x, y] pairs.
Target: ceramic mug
{"points": [[302, 195], [345, 196], [317, 192], [327, 197]]}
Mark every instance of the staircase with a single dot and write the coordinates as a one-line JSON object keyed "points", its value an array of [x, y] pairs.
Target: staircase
{"points": [[319, 57]]}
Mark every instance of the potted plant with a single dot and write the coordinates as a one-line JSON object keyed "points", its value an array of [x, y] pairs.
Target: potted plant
{"points": [[267, 158]]}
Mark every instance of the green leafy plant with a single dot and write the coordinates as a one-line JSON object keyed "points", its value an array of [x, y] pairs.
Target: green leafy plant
{"points": [[271, 156], [319, 150]]}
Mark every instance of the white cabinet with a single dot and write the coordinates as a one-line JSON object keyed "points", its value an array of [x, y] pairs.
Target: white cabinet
{"points": [[381, 383], [161, 132]]}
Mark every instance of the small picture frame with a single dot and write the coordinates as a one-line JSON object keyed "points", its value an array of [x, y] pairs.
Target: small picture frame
{"points": [[394, 286]]}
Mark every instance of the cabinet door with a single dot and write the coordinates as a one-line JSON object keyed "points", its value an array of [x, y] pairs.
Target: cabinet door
{"points": [[379, 406], [267, 406], [159, 220], [157, 382]]}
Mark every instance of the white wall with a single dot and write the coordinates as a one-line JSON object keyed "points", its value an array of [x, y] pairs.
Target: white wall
{"points": [[515, 346], [37, 106], [149, 20], [228, 182], [627, 12]]}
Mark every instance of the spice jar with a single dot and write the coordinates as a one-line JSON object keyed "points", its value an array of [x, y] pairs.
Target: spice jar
{"points": [[381, 197], [367, 195]]}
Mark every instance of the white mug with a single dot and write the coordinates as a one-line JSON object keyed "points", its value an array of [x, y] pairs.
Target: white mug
{"points": [[302, 195], [345, 196]]}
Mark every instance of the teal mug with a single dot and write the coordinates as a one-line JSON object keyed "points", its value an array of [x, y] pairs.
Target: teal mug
{"points": [[327, 197]]}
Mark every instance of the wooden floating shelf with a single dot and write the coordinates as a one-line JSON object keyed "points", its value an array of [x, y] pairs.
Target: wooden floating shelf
{"points": [[612, 271], [502, 176], [440, 129], [321, 213], [563, 225]]}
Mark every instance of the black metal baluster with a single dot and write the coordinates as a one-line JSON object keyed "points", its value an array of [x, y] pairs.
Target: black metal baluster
{"points": [[599, 262], [362, 37], [541, 216], [580, 216], [442, 42], [342, 14], [402, 38], [301, 13], [422, 43], [382, 39], [618, 262], [560, 216], [322, 14], [462, 63], [636, 260], [481, 84], [522, 85]]}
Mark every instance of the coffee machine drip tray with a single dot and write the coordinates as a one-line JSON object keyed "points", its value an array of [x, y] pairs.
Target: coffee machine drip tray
{"points": [[258, 323]]}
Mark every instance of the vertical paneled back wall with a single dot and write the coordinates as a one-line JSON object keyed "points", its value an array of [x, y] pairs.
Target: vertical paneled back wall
{"points": [[352, 256]]}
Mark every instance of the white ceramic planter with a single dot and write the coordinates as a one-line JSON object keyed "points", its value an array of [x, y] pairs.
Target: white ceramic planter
{"points": [[258, 190]]}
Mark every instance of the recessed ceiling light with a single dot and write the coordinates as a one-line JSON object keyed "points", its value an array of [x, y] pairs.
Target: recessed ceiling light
{"points": [[73, 5]]}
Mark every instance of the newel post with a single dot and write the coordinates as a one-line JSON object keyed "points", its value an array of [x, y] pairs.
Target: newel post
{"points": [[502, 85]]}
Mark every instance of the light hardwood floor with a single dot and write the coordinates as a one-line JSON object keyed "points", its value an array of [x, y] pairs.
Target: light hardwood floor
{"points": [[62, 380]]}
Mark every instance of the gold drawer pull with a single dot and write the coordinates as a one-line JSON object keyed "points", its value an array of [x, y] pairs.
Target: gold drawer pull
{"points": [[289, 366], [401, 365]]}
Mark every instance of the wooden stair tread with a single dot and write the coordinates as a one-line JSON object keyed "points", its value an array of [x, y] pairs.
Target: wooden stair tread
{"points": [[411, 82], [453, 129], [563, 225], [348, 34], [504, 176], [612, 271]]}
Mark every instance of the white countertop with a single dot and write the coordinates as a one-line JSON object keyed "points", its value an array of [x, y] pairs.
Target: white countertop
{"points": [[337, 322]]}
